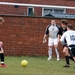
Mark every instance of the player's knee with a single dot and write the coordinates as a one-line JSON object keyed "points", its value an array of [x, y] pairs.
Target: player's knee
{"points": [[50, 47], [63, 51]]}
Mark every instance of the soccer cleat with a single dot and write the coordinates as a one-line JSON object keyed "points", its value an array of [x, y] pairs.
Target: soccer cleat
{"points": [[49, 58], [58, 59], [66, 65], [3, 65]]}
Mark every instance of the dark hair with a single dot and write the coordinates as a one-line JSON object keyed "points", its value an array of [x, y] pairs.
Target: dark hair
{"points": [[70, 26], [64, 21]]}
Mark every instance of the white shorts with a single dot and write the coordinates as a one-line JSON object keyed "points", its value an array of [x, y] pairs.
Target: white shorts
{"points": [[52, 42]]}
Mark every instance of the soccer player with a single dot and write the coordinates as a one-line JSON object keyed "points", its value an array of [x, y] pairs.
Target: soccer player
{"points": [[65, 49], [69, 36], [52, 31], [1, 48]]}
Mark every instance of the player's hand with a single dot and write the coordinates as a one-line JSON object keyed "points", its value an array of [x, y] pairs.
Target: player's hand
{"points": [[58, 40], [44, 40]]}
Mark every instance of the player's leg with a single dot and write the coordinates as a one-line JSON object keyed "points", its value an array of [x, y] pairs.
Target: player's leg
{"points": [[2, 58], [69, 55], [65, 51], [50, 44], [72, 52], [49, 53], [1, 53], [56, 48], [74, 58]]}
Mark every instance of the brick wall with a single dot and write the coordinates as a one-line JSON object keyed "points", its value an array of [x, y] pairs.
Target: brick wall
{"points": [[47, 2], [23, 35], [38, 11]]}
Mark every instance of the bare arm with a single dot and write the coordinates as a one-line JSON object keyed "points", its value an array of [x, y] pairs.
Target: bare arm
{"points": [[59, 36], [44, 38]]}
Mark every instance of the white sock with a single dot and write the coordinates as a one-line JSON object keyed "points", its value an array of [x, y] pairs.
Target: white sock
{"points": [[57, 53], [50, 52], [2, 62]]}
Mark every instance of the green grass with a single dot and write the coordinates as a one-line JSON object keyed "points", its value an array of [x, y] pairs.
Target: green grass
{"points": [[36, 66]]}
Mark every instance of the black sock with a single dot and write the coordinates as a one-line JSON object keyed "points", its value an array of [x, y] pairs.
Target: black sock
{"points": [[2, 58], [71, 58], [67, 60]]}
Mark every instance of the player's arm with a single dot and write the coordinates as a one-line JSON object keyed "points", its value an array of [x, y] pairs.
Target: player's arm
{"points": [[62, 39], [44, 38], [59, 36], [45, 34], [59, 33]]}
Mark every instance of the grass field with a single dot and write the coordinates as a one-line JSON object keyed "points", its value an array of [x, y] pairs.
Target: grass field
{"points": [[36, 66]]}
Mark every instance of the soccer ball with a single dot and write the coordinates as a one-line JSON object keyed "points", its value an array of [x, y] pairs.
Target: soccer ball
{"points": [[24, 63]]}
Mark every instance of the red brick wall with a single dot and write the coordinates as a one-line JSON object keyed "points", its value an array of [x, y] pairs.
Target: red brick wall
{"points": [[23, 35], [22, 10], [47, 2]]}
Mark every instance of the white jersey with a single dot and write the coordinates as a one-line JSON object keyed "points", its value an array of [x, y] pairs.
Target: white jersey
{"points": [[69, 36], [52, 31]]}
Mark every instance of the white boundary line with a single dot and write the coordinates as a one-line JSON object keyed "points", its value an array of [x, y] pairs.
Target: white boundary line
{"points": [[36, 5]]}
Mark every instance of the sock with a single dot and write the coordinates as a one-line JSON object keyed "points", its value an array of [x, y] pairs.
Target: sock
{"points": [[71, 58], [57, 53], [50, 52], [67, 60], [2, 58]]}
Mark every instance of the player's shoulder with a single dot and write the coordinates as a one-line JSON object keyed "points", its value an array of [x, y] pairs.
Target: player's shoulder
{"points": [[48, 26], [71, 31], [58, 26], [65, 33]]}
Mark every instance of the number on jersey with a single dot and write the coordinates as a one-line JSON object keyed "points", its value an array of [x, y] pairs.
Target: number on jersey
{"points": [[72, 37]]}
